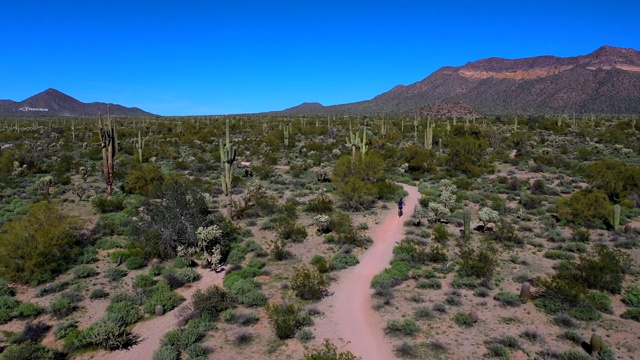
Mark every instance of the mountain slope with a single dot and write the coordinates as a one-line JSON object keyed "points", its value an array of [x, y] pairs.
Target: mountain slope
{"points": [[605, 81], [52, 102]]}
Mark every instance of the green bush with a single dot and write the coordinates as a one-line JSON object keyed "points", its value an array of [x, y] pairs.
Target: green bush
{"points": [[212, 301], [342, 261], [62, 306], [181, 339], [161, 294], [320, 263], [105, 205], [84, 271], [406, 327], [632, 314], [28, 310], [135, 263], [144, 281], [143, 178], [329, 351], [98, 294], [508, 299], [64, 328], [285, 318], [288, 229], [463, 319], [110, 335], [166, 352], [632, 296], [600, 301], [124, 312], [115, 274], [434, 284], [308, 284], [587, 207], [30, 351], [26, 243], [187, 275], [113, 224], [478, 262], [391, 276], [5, 290]]}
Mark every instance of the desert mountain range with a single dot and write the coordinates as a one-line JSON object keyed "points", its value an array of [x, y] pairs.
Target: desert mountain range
{"points": [[607, 81], [52, 102]]}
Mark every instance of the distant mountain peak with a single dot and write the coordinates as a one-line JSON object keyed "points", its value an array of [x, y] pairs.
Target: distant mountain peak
{"points": [[306, 106], [52, 102]]}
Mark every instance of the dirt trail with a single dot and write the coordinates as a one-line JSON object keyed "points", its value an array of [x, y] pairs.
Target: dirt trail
{"points": [[151, 331], [349, 316]]}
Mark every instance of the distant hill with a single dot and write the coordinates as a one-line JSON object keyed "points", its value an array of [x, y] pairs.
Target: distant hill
{"points": [[52, 102], [605, 81]]}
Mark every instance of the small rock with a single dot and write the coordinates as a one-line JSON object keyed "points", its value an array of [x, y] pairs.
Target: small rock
{"points": [[159, 310]]}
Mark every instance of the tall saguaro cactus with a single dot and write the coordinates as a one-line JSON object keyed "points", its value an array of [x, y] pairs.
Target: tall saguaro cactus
{"points": [[140, 146], [227, 158], [466, 216], [108, 138]]}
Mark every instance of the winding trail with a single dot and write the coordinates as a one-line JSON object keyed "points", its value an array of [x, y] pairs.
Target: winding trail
{"points": [[154, 329], [349, 316]]}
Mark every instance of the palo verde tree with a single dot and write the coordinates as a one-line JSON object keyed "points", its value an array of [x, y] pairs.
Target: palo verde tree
{"points": [[39, 245]]}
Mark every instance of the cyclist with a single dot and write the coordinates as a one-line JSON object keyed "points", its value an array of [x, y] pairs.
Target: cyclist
{"points": [[400, 206]]}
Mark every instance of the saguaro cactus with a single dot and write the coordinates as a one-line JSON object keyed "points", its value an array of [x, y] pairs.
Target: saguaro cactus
{"points": [[596, 343], [108, 139], [466, 216], [227, 157], [616, 216], [140, 146]]}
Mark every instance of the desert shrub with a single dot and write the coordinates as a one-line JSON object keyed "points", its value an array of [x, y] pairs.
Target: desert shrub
{"points": [[166, 352], [440, 233], [113, 224], [463, 319], [508, 299], [406, 327], [422, 312], [237, 254], [123, 312], [285, 318], [171, 217], [30, 351], [632, 314], [51, 288], [187, 275], [600, 301], [482, 292], [5, 289], [64, 328], [559, 255], [98, 293], [144, 281], [26, 243], [321, 204], [196, 352], [308, 284], [632, 296], [320, 263], [615, 178], [84, 271], [135, 263], [181, 339], [28, 310], [329, 351], [565, 320], [8, 303], [429, 284], [391, 276], [580, 235], [505, 234], [143, 178], [467, 156], [288, 229], [464, 283], [31, 332], [161, 294], [304, 335], [110, 335], [62, 306], [212, 301], [588, 207], [105, 205], [115, 274], [342, 261], [478, 262]]}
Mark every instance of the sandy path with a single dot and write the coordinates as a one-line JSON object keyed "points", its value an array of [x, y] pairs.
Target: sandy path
{"points": [[151, 331], [349, 316]]}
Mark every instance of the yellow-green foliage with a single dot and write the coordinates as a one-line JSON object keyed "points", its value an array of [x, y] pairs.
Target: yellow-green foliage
{"points": [[586, 207], [467, 156], [142, 179], [615, 178], [38, 245]]}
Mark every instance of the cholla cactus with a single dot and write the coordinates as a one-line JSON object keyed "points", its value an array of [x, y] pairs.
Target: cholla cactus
{"points": [[255, 190], [487, 216], [322, 172], [44, 186], [323, 222], [437, 212], [79, 191], [335, 153], [207, 234], [447, 193], [404, 167], [18, 170]]}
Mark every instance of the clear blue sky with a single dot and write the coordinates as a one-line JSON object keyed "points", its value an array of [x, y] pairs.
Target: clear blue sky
{"points": [[222, 57]]}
